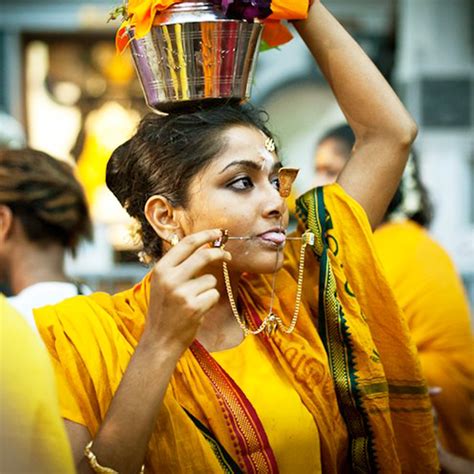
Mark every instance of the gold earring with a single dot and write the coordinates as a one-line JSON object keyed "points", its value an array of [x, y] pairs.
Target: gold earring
{"points": [[173, 240]]}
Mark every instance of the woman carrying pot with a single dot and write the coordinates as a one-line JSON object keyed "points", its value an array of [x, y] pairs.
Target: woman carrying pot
{"points": [[271, 353]]}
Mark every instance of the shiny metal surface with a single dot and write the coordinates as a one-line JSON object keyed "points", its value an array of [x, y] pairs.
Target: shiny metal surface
{"points": [[193, 54]]}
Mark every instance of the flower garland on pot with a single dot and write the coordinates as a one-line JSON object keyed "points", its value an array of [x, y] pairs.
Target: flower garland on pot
{"points": [[140, 14]]}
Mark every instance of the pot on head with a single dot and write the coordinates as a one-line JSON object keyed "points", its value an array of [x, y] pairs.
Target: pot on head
{"points": [[193, 54]]}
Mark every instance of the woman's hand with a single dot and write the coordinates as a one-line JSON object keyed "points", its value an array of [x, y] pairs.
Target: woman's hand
{"points": [[182, 292]]}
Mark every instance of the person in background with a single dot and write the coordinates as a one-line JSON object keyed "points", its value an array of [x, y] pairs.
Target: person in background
{"points": [[12, 136], [43, 214], [32, 435], [429, 291]]}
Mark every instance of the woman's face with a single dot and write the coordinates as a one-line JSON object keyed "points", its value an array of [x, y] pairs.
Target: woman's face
{"points": [[238, 191]]}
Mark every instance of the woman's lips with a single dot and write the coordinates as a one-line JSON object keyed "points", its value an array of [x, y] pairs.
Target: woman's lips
{"points": [[275, 237]]}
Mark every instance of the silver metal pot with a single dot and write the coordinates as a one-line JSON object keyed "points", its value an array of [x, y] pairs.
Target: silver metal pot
{"points": [[194, 54]]}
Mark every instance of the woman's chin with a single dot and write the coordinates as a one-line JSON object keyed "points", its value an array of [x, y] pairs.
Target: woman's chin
{"points": [[262, 267]]}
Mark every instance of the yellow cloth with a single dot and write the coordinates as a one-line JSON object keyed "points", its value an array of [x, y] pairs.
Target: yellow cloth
{"points": [[432, 297], [32, 434], [373, 362], [277, 404], [350, 361]]}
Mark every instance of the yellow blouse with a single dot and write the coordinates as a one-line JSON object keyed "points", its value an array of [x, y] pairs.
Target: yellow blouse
{"points": [[290, 427]]}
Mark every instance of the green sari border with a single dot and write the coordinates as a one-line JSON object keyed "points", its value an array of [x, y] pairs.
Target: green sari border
{"points": [[229, 466], [336, 338]]}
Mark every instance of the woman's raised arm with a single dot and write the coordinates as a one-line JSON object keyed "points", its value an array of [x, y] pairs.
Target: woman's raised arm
{"points": [[383, 128]]}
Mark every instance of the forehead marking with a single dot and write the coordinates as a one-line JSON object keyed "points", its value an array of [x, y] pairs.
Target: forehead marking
{"points": [[269, 144]]}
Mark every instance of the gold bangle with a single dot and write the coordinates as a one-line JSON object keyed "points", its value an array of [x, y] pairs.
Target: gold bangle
{"points": [[94, 464]]}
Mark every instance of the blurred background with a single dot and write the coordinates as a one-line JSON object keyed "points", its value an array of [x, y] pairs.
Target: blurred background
{"points": [[63, 85]]}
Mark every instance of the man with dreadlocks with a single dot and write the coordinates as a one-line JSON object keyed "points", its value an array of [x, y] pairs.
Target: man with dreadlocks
{"points": [[43, 214]]}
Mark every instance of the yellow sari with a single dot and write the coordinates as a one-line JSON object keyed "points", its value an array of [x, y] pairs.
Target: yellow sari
{"points": [[434, 303], [350, 360]]}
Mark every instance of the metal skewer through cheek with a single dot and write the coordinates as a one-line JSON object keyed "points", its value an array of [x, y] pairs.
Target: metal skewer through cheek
{"points": [[249, 237], [225, 238], [271, 322]]}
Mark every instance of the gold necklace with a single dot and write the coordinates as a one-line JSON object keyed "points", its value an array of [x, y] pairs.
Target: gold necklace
{"points": [[272, 322]]}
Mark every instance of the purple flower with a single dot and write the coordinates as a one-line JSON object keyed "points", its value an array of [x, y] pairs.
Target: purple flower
{"points": [[246, 9]]}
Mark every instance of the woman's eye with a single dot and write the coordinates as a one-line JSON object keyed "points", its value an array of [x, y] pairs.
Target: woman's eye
{"points": [[276, 182], [241, 183]]}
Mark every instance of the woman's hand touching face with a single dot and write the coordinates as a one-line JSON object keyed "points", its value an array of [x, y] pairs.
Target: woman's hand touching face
{"points": [[182, 292]]}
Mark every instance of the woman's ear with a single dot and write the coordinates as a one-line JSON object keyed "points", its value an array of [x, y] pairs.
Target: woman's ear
{"points": [[162, 216], [6, 223]]}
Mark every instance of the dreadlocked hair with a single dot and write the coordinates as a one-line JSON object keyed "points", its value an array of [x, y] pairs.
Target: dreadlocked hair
{"points": [[43, 193]]}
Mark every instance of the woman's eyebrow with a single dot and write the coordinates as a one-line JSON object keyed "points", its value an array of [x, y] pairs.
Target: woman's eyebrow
{"points": [[250, 164]]}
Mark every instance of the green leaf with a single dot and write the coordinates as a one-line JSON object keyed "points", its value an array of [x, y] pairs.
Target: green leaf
{"points": [[264, 46], [118, 12]]}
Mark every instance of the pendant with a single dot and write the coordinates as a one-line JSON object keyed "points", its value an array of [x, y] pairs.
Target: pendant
{"points": [[286, 177], [272, 325]]}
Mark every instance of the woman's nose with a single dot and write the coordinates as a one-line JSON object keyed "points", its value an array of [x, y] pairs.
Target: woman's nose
{"points": [[274, 205]]}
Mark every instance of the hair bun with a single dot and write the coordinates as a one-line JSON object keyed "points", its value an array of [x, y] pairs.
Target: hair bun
{"points": [[117, 173]]}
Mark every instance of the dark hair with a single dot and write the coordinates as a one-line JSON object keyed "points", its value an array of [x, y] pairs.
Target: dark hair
{"points": [[342, 133], [423, 215], [165, 154], [44, 195]]}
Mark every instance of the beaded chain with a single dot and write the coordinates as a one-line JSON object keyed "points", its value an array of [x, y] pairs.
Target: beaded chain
{"points": [[272, 322]]}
